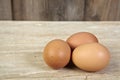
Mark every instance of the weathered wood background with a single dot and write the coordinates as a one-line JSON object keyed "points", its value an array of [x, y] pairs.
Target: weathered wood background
{"points": [[60, 10]]}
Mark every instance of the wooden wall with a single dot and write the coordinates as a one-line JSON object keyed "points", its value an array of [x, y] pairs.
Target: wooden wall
{"points": [[60, 10], [102, 10], [5, 10]]}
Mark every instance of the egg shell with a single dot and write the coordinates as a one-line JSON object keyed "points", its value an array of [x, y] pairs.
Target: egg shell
{"points": [[57, 54], [91, 57], [81, 38]]}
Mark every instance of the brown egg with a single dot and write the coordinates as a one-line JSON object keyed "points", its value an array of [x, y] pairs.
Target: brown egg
{"points": [[91, 57], [57, 54], [81, 38]]}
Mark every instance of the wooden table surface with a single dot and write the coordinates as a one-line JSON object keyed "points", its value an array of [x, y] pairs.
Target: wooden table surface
{"points": [[22, 44]]}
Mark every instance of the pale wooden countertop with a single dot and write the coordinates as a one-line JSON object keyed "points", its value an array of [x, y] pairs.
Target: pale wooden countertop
{"points": [[22, 43]]}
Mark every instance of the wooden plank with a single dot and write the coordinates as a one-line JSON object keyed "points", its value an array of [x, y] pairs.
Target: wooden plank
{"points": [[102, 10], [22, 44], [66, 9], [29, 9], [48, 9], [5, 10]]}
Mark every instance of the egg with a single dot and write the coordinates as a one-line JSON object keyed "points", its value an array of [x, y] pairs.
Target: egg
{"points": [[91, 57], [57, 54], [81, 38]]}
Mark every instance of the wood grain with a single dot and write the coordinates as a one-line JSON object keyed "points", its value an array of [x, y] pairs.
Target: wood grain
{"points": [[29, 10], [102, 10], [66, 10], [53, 10], [5, 10], [60, 10], [22, 44]]}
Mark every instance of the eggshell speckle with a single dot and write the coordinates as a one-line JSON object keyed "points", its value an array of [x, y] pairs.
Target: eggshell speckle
{"points": [[57, 54], [91, 57], [81, 38]]}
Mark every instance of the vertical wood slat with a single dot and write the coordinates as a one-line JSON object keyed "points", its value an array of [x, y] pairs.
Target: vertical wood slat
{"points": [[66, 10], [29, 10], [102, 10], [5, 10], [55, 10]]}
